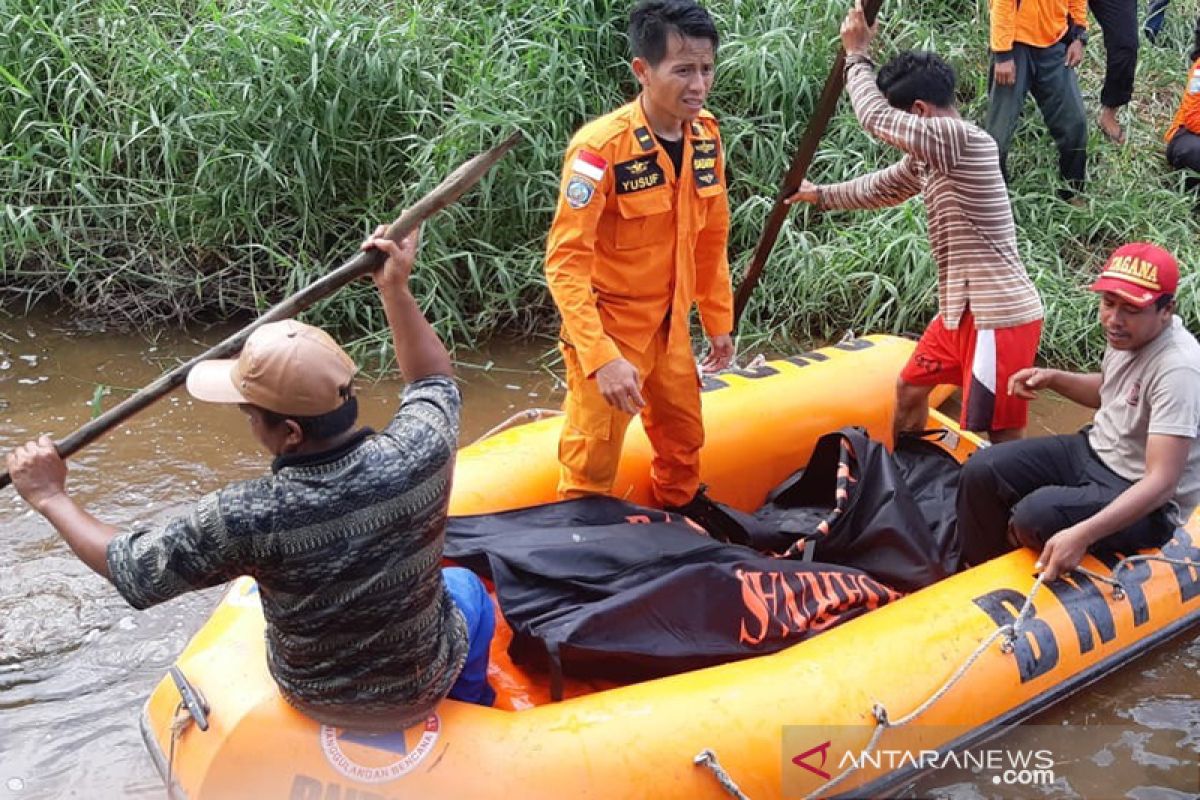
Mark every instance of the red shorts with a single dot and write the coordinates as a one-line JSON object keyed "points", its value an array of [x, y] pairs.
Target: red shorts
{"points": [[981, 362]]}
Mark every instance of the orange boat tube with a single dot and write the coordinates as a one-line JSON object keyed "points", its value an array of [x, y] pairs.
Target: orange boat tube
{"points": [[760, 718]]}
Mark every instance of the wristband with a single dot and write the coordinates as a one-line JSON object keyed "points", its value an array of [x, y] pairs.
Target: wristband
{"points": [[859, 58]]}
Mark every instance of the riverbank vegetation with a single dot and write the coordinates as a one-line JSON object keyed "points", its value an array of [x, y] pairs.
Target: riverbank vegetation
{"points": [[172, 160]]}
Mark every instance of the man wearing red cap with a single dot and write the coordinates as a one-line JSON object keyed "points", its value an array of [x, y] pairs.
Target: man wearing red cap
{"points": [[1129, 479], [344, 537]]}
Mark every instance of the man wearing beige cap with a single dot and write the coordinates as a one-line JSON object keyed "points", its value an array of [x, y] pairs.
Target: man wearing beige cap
{"points": [[1123, 483], [364, 628]]}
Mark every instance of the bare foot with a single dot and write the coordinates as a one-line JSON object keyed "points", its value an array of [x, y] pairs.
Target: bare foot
{"points": [[1110, 126]]}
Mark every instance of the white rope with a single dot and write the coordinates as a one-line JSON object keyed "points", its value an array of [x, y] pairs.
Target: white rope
{"points": [[1009, 632], [823, 790], [1183, 562], [179, 723], [521, 418], [707, 758], [1118, 588]]}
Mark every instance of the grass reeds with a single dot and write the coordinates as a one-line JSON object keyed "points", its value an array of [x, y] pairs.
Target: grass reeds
{"points": [[177, 159]]}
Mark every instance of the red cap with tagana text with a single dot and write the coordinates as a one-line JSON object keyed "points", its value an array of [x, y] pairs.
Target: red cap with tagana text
{"points": [[1139, 273]]}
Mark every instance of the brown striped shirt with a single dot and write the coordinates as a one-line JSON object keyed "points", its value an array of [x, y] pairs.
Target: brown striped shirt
{"points": [[955, 166]]}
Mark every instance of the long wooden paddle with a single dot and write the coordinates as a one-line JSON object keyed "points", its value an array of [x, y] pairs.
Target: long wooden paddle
{"points": [[796, 173], [445, 193]]}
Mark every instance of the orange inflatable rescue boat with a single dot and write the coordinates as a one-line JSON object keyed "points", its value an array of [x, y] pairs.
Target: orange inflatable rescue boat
{"points": [[778, 725]]}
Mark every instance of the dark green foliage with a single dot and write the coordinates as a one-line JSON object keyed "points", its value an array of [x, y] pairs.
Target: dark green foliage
{"points": [[176, 159]]}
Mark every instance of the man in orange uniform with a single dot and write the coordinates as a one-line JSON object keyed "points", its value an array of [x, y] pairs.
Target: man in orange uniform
{"points": [[639, 237], [1183, 137], [1036, 45]]}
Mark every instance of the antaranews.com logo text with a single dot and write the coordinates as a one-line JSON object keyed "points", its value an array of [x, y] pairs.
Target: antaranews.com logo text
{"points": [[1085, 761]]}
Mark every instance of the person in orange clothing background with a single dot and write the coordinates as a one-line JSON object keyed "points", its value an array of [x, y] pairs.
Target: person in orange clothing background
{"points": [[1036, 46], [1183, 137], [639, 237]]}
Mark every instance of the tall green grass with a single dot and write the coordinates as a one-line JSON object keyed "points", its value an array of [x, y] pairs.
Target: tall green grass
{"points": [[182, 159]]}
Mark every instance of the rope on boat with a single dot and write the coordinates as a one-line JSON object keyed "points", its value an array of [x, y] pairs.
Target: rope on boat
{"points": [[521, 418], [1009, 633], [707, 758], [179, 723], [1118, 588]]}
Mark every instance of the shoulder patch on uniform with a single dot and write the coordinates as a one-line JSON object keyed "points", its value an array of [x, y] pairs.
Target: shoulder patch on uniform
{"points": [[638, 174], [589, 165], [704, 161], [644, 138], [579, 192], [1194, 85]]}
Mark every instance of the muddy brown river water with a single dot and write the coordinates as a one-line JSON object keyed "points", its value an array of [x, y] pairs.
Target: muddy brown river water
{"points": [[76, 663]]}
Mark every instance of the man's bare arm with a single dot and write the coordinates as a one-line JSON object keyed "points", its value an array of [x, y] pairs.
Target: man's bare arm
{"points": [[1081, 388], [40, 477], [1166, 457]]}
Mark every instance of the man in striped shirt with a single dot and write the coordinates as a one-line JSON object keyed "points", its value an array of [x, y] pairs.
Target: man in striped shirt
{"points": [[990, 315]]}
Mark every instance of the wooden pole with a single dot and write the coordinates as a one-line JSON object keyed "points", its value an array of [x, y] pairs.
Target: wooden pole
{"points": [[796, 173], [443, 195]]}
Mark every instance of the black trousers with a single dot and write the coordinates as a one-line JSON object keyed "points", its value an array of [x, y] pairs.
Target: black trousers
{"points": [[1183, 152], [1041, 486], [1042, 72], [1119, 21]]}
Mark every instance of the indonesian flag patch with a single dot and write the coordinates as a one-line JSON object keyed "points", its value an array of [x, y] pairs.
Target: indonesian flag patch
{"points": [[589, 165]]}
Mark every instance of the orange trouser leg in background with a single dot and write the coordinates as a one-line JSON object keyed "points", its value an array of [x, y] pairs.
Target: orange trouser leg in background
{"points": [[589, 449]]}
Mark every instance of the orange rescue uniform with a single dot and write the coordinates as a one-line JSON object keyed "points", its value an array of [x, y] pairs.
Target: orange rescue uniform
{"points": [[633, 246], [1038, 23], [1188, 115]]}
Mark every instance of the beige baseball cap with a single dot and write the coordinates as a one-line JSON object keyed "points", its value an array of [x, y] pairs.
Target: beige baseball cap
{"points": [[287, 367]]}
